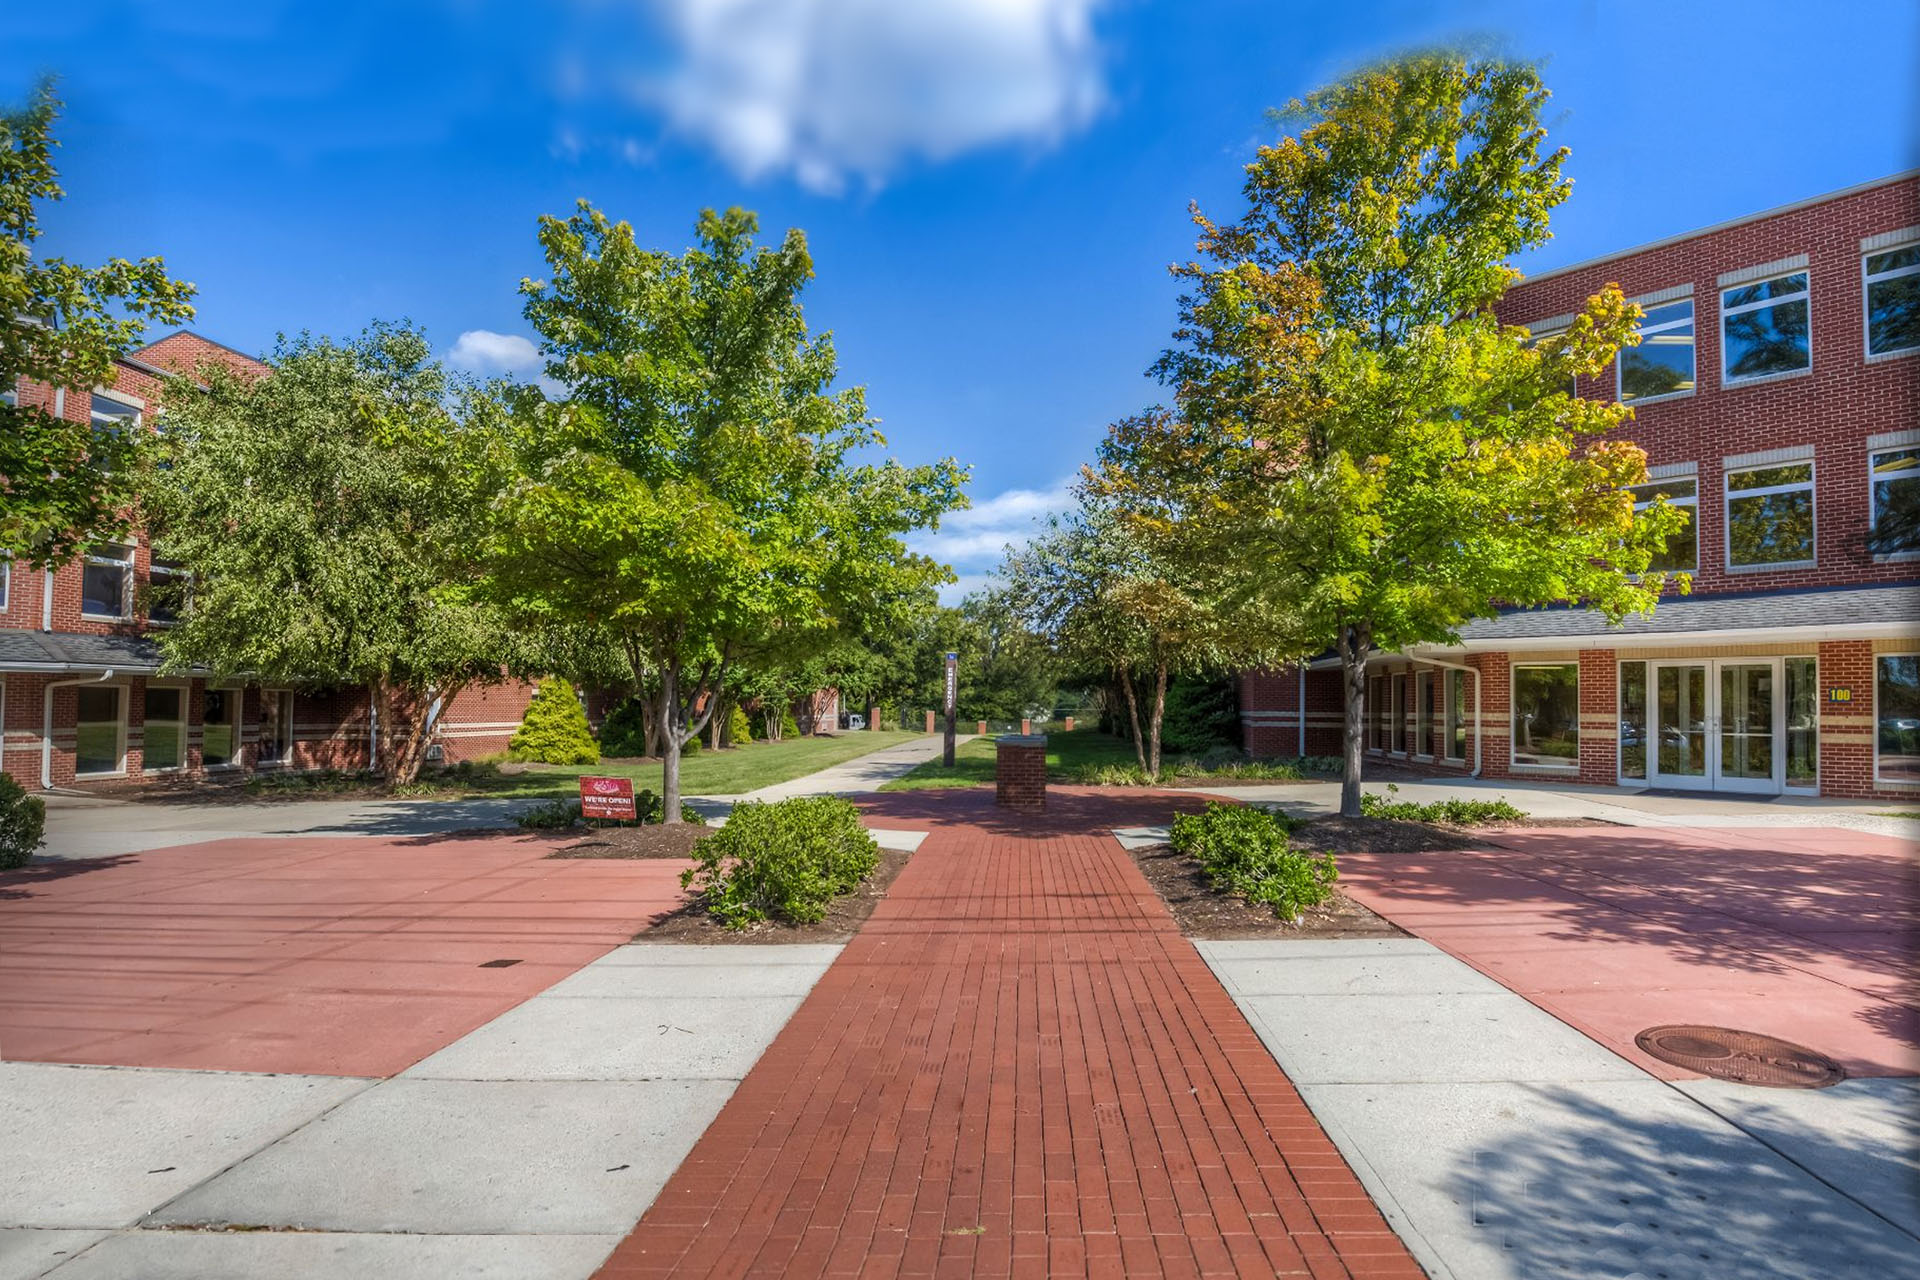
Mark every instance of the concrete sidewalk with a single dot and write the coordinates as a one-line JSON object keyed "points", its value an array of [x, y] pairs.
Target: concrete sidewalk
{"points": [[522, 1151], [860, 776], [1504, 1145]]}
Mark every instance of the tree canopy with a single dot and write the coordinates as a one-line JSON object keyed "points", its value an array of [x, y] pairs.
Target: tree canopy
{"points": [[63, 484], [694, 491], [1368, 454]]}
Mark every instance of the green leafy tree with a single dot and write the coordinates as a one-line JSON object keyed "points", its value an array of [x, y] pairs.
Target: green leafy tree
{"points": [[327, 541], [1376, 457], [554, 730], [694, 495], [63, 484]]}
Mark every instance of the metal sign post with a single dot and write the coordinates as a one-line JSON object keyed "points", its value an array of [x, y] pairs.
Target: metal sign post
{"points": [[953, 686]]}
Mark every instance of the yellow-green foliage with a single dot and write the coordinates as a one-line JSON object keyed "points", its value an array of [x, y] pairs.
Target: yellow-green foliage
{"points": [[555, 729]]}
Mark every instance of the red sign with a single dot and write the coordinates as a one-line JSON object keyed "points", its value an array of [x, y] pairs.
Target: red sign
{"points": [[606, 798]]}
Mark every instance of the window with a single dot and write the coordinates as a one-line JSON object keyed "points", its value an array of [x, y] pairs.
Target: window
{"points": [[167, 592], [1896, 708], [98, 737], [220, 728], [1633, 721], [1456, 715], [1662, 365], [276, 726], [1770, 516], [1896, 501], [1893, 300], [166, 727], [1376, 714], [1803, 722], [6, 582], [1764, 329], [104, 580], [1546, 716], [1682, 552], [1397, 714], [1423, 714], [111, 416]]}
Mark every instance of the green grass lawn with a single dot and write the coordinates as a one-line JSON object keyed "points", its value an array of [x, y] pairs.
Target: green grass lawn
{"points": [[1067, 755], [729, 772]]}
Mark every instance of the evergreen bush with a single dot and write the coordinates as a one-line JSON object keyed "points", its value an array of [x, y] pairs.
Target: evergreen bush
{"points": [[784, 861], [23, 820], [623, 734], [555, 729], [739, 728]]}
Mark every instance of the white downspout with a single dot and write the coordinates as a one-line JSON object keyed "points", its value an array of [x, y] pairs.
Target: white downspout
{"points": [[46, 724], [1301, 750], [1479, 738]]}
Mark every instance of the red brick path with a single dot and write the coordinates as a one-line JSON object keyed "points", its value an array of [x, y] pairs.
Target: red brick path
{"points": [[1019, 1067]]}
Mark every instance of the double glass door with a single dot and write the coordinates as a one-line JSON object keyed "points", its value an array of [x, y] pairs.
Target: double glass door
{"points": [[1718, 725]]}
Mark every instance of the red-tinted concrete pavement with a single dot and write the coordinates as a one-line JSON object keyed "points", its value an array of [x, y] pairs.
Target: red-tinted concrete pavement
{"points": [[355, 956], [1810, 934], [1019, 1067]]}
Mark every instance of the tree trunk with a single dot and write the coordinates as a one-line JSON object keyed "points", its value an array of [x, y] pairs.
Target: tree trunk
{"points": [[1133, 719], [666, 715], [1355, 644], [715, 726], [1159, 713]]}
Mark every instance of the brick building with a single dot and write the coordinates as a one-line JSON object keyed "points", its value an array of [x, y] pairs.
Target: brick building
{"points": [[1776, 391], [81, 699]]}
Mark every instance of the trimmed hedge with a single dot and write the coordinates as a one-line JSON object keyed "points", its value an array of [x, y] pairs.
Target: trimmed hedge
{"points": [[1453, 813], [785, 861], [23, 821], [1246, 852], [555, 729]]}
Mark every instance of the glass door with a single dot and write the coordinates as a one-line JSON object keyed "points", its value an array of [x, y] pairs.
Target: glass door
{"points": [[1749, 724], [1679, 729]]}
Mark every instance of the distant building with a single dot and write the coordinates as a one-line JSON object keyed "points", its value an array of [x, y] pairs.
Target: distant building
{"points": [[82, 702], [1776, 391]]}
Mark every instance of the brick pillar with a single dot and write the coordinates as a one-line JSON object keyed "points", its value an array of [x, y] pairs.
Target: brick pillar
{"points": [[873, 719], [1026, 728], [1020, 772], [980, 727], [1846, 728], [1068, 726], [929, 722], [1599, 717]]}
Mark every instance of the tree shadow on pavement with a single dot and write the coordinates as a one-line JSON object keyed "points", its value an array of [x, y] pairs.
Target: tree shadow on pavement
{"points": [[18, 884]]}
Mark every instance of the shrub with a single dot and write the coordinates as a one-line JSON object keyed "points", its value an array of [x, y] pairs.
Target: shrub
{"points": [[1201, 714], [23, 820], [555, 729], [784, 861], [739, 728], [1246, 852], [789, 727], [650, 808], [553, 815], [1453, 813], [623, 734]]}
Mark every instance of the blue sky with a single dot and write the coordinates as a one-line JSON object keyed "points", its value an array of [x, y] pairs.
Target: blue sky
{"points": [[992, 188]]}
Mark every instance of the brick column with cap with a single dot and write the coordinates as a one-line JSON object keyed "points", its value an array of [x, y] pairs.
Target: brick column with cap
{"points": [[1020, 771]]}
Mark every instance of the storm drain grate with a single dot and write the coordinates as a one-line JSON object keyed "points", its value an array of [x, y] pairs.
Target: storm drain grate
{"points": [[1743, 1056], [498, 964]]}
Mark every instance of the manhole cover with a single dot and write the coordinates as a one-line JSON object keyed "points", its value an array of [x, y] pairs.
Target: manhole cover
{"points": [[1745, 1056]]}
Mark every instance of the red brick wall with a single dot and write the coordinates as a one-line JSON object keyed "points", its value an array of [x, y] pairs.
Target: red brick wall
{"points": [[1020, 776], [1846, 729], [1834, 408], [481, 718], [1599, 718]]}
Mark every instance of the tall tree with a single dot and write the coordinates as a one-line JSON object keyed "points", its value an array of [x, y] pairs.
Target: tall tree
{"points": [[695, 494], [325, 537], [62, 484], [1375, 455]]}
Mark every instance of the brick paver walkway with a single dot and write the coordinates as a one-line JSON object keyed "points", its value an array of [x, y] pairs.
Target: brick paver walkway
{"points": [[1019, 1067]]}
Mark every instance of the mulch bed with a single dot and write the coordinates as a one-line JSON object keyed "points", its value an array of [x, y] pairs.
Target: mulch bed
{"points": [[651, 841], [1203, 913]]}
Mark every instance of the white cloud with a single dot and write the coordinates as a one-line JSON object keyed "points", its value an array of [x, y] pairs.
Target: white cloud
{"points": [[484, 352], [823, 90], [974, 541]]}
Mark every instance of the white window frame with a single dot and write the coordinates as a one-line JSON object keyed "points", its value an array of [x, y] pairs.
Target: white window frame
{"points": [[156, 571], [1754, 379], [134, 403], [260, 760], [1693, 502], [1811, 485], [6, 583], [1789, 787], [1513, 715], [1878, 783], [1866, 307], [1447, 715], [1873, 514], [122, 699], [239, 695], [1619, 368], [126, 584], [1620, 777], [186, 694]]}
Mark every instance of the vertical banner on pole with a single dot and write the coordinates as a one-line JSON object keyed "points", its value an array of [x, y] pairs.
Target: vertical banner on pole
{"points": [[953, 687]]}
